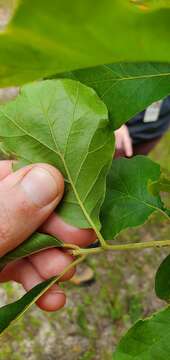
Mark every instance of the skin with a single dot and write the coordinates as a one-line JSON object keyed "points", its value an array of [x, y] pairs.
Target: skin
{"points": [[123, 142], [21, 214]]}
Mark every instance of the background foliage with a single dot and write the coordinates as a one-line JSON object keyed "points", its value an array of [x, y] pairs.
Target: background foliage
{"points": [[72, 35]]}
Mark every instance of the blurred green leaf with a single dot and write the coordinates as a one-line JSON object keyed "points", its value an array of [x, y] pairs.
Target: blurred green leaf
{"points": [[126, 89], [163, 184], [56, 36], [150, 5]]}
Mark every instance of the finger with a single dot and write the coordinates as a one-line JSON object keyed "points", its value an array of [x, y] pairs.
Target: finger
{"points": [[24, 272], [53, 300], [57, 227], [5, 168], [118, 140], [127, 144], [27, 198], [52, 262]]}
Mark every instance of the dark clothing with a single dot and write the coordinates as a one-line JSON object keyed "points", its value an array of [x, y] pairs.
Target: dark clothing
{"points": [[146, 147], [143, 148], [141, 131]]}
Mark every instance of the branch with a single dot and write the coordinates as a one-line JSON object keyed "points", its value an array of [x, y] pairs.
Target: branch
{"points": [[122, 247]]}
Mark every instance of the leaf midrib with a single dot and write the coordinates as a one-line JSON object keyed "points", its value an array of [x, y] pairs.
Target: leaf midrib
{"points": [[65, 166], [68, 173], [136, 77]]}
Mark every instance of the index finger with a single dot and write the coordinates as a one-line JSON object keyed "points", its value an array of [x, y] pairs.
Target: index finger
{"points": [[128, 148]]}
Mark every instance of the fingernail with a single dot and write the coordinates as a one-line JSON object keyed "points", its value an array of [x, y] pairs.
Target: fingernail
{"points": [[55, 290], [40, 186]]}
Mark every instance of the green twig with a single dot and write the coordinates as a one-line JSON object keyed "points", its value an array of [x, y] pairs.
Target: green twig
{"points": [[122, 247]]}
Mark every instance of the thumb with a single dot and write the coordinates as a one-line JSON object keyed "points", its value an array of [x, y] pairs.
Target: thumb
{"points": [[27, 198]]}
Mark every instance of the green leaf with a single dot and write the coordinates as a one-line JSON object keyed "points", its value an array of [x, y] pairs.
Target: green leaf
{"points": [[147, 340], [162, 280], [150, 5], [128, 202], [12, 312], [65, 124], [163, 184], [35, 243], [56, 36], [126, 89]]}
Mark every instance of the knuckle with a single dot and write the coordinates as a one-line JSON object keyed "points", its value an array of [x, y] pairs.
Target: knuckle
{"points": [[57, 266], [5, 224], [5, 232]]}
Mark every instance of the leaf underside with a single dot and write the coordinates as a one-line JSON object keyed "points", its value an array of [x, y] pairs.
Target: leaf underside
{"points": [[65, 124]]}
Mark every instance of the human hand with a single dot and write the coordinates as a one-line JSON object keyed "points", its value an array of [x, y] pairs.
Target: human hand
{"points": [[27, 200], [123, 142]]}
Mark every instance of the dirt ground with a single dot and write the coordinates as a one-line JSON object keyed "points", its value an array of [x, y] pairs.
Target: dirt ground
{"points": [[95, 316]]}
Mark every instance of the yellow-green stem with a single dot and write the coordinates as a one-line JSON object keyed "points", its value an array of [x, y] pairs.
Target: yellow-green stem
{"points": [[122, 247]]}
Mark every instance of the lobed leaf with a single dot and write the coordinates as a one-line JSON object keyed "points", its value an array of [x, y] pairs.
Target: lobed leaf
{"points": [[56, 36], [126, 88], [128, 202], [65, 124], [147, 339]]}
